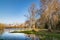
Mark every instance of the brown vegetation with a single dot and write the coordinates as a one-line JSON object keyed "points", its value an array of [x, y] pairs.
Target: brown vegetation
{"points": [[49, 14]]}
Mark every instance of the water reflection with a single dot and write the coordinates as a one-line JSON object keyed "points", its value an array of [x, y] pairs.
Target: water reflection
{"points": [[13, 36], [43, 37], [1, 31], [33, 36], [6, 35]]}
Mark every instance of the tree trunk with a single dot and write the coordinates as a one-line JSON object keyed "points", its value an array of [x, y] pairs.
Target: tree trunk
{"points": [[50, 28], [34, 26]]}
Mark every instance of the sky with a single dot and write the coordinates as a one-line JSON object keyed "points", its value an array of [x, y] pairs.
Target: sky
{"points": [[13, 11]]}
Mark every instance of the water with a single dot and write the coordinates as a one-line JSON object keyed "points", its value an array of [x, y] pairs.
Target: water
{"points": [[14, 36], [6, 35]]}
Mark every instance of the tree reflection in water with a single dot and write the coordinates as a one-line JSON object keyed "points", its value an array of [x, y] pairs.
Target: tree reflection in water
{"points": [[41, 37], [1, 31], [32, 36], [2, 27]]}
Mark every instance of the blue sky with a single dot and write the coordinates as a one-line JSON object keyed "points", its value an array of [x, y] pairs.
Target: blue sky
{"points": [[13, 11]]}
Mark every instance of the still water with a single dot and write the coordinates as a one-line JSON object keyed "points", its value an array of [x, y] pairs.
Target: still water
{"points": [[6, 35]]}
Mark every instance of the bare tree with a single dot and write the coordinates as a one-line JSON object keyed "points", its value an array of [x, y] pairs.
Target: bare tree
{"points": [[32, 15], [49, 13]]}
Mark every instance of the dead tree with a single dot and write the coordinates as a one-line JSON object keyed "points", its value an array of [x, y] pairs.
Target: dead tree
{"points": [[49, 15], [32, 15]]}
